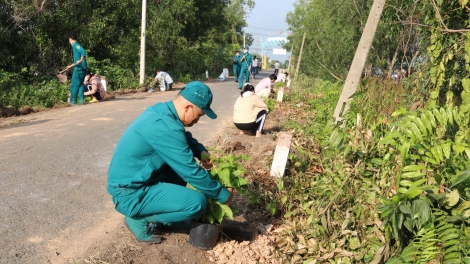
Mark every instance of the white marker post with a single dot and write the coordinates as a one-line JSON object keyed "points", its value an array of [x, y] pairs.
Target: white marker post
{"points": [[281, 154], [280, 94]]}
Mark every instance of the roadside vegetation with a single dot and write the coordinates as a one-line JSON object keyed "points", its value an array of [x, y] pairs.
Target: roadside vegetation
{"points": [[184, 38], [390, 182]]}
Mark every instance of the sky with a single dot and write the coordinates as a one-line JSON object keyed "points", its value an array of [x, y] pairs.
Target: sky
{"points": [[266, 20]]}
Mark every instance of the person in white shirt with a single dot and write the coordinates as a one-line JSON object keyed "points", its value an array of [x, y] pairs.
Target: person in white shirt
{"points": [[265, 87], [276, 68], [254, 66], [282, 77], [166, 77]]}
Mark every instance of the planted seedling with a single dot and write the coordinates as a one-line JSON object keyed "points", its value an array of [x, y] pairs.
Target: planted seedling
{"points": [[228, 170]]}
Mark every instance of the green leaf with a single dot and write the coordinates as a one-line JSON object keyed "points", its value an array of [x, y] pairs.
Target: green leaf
{"points": [[284, 199], [413, 192], [463, 176], [224, 177], [417, 167], [227, 210], [452, 198], [399, 112], [405, 209]]}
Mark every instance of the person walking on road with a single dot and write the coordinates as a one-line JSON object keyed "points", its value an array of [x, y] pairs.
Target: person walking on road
{"points": [[236, 65], [276, 68], [254, 66], [245, 68], [79, 71], [154, 160]]}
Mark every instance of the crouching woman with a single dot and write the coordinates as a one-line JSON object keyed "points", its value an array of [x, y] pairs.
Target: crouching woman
{"points": [[249, 113], [94, 87]]}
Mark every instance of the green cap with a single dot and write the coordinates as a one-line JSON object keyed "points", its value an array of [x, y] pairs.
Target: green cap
{"points": [[200, 95]]}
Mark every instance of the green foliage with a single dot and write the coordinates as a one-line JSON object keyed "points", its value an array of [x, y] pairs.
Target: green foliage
{"points": [[44, 93], [271, 103], [332, 33], [318, 201], [183, 37], [185, 79], [229, 172]]}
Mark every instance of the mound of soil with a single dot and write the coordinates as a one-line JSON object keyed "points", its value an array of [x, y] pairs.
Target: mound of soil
{"points": [[8, 111]]}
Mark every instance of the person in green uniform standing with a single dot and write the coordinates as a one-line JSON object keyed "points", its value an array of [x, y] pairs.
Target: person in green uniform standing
{"points": [[236, 65], [245, 68], [153, 162], [79, 71]]}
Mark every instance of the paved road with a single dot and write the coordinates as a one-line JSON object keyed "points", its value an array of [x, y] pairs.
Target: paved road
{"points": [[53, 171]]}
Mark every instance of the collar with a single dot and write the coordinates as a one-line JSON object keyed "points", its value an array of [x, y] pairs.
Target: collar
{"points": [[173, 111], [246, 94]]}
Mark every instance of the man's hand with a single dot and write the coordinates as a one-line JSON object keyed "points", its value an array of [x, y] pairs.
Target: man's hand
{"points": [[206, 160], [230, 197]]}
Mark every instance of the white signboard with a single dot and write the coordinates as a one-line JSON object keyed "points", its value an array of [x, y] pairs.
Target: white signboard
{"points": [[279, 51]]}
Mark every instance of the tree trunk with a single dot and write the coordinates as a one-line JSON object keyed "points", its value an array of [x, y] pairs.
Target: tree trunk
{"points": [[390, 70]]}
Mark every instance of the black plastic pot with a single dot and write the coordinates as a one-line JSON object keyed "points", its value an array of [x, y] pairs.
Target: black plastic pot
{"points": [[204, 236]]}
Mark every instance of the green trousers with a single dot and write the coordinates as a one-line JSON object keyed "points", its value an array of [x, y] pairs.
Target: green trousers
{"points": [[236, 72], [244, 74], [163, 202], [76, 87]]}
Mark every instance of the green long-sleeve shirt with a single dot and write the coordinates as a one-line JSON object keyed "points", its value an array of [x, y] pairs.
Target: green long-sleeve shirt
{"points": [[155, 148], [246, 63]]}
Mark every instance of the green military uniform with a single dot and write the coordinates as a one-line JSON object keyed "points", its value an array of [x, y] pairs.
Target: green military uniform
{"points": [[153, 161], [236, 66], [79, 72], [244, 69]]}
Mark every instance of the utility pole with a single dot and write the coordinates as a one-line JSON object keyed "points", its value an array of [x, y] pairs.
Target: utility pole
{"points": [[244, 38], [290, 57], [300, 56], [142, 42], [354, 74]]}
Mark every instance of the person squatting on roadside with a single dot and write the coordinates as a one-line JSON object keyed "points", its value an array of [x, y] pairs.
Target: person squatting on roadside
{"points": [[94, 87], [265, 87], [245, 68], [236, 65], [153, 162], [282, 77], [249, 112], [166, 78], [79, 71]]}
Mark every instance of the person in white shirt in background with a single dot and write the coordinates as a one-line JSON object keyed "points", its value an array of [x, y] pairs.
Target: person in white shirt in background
{"points": [[165, 76], [254, 66], [276, 68], [282, 77]]}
